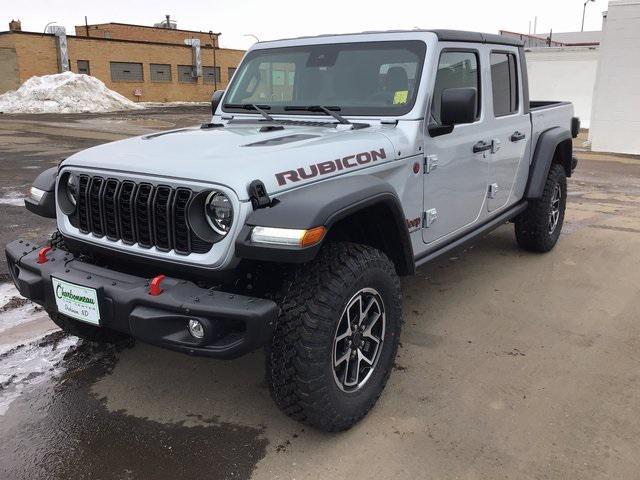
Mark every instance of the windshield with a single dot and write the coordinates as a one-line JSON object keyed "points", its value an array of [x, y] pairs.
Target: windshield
{"points": [[373, 78]]}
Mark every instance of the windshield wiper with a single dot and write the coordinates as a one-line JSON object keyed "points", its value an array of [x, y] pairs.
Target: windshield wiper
{"points": [[321, 108], [252, 106]]}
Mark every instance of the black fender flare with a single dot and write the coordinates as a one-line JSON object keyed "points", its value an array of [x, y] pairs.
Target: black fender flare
{"points": [[543, 155], [323, 204], [46, 182]]}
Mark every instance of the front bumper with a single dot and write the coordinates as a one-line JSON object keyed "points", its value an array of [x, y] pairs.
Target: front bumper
{"points": [[234, 324]]}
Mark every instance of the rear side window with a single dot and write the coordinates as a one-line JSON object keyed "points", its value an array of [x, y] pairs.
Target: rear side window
{"points": [[504, 83], [456, 69]]}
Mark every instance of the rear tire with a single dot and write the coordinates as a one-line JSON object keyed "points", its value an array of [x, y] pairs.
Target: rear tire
{"points": [[86, 331], [316, 372], [538, 227]]}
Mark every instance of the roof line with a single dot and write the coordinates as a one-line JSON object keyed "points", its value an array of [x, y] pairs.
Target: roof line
{"points": [[147, 26], [100, 39]]}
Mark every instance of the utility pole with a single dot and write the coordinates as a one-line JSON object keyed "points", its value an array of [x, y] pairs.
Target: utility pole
{"points": [[584, 9]]}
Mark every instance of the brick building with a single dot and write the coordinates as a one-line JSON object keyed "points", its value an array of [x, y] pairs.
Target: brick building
{"points": [[130, 59]]}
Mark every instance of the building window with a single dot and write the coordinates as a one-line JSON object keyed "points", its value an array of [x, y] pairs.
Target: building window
{"points": [[187, 74], [83, 67], [126, 72], [230, 72], [504, 84], [211, 74], [456, 69], [160, 72]]}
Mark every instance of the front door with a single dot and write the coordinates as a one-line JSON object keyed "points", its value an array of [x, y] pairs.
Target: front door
{"points": [[455, 189]]}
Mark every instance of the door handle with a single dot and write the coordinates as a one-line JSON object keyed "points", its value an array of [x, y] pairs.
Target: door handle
{"points": [[482, 146], [517, 136]]}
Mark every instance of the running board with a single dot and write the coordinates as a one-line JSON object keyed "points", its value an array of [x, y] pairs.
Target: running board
{"points": [[472, 236]]}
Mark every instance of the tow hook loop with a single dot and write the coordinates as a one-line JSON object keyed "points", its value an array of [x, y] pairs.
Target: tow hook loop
{"points": [[42, 254], [154, 287]]}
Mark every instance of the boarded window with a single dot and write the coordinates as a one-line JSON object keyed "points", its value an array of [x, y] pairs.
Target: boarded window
{"points": [[83, 67], [126, 72], [211, 74], [160, 72], [504, 83], [230, 72], [187, 74]]}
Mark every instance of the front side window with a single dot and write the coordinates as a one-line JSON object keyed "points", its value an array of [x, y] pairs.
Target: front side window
{"points": [[456, 69], [372, 78], [504, 83]]}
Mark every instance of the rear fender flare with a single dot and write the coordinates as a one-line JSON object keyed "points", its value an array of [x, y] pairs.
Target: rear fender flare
{"points": [[548, 143]]}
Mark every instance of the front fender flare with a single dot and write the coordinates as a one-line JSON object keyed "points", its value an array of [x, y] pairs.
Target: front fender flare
{"points": [[46, 182], [322, 204]]}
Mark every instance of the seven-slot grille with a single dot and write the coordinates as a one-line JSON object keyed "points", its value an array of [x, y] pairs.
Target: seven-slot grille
{"points": [[149, 215]]}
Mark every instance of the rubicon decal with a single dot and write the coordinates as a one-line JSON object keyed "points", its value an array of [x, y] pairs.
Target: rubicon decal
{"points": [[330, 166]]}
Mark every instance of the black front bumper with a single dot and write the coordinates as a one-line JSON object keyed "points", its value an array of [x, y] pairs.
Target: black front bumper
{"points": [[234, 324]]}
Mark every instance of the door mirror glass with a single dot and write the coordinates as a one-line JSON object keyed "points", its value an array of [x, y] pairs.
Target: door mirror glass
{"points": [[458, 106], [215, 100]]}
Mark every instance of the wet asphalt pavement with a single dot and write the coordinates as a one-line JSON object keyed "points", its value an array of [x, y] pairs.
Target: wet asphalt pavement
{"points": [[512, 365]]}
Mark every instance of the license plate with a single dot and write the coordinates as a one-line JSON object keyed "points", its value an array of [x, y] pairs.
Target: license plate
{"points": [[76, 301]]}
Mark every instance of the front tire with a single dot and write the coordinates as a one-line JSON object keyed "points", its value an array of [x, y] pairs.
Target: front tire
{"points": [[538, 227], [336, 337]]}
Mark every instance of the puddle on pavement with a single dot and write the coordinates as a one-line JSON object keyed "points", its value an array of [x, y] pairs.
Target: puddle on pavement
{"points": [[52, 425]]}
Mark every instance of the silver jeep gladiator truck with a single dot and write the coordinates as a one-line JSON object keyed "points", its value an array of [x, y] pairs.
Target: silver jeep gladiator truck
{"points": [[331, 166]]}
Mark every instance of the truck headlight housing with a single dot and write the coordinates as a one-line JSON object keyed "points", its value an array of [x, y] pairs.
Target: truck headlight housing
{"points": [[218, 211], [72, 188]]}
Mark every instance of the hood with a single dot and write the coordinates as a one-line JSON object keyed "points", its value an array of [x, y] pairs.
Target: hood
{"points": [[234, 156]]}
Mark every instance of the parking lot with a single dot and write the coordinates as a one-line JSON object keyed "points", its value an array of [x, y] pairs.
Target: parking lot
{"points": [[512, 365]]}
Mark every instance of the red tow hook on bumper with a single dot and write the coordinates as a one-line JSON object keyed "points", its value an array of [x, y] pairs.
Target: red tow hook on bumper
{"points": [[42, 254], [154, 286]]}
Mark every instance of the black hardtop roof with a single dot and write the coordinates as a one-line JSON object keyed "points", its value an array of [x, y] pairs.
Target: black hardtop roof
{"points": [[443, 36]]}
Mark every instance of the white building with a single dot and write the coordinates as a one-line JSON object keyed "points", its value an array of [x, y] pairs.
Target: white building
{"points": [[615, 117], [564, 73]]}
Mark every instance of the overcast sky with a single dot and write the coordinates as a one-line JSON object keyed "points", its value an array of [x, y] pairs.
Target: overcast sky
{"points": [[271, 19]]}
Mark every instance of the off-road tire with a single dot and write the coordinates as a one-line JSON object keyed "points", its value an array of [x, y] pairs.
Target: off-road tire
{"points": [[300, 366], [86, 331], [532, 225]]}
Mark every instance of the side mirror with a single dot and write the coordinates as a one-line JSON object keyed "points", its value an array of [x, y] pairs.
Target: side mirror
{"points": [[215, 100], [458, 105]]}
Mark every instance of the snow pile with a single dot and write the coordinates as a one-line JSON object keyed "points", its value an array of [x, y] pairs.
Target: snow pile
{"points": [[64, 93]]}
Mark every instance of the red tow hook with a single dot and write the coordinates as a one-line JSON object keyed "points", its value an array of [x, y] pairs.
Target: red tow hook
{"points": [[42, 254], [154, 286]]}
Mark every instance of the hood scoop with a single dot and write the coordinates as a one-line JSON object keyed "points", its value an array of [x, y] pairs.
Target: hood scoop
{"points": [[296, 137]]}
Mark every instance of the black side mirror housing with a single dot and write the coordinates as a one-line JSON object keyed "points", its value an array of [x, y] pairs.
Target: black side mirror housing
{"points": [[215, 100], [458, 106]]}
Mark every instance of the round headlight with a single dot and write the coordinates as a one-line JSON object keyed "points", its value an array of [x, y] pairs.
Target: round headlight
{"points": [[72, 188], [219, 212]]}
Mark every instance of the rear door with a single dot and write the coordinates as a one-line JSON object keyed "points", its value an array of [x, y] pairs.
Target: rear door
{"points": [[455, 182], [510, 127]]}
